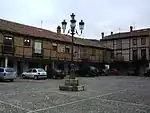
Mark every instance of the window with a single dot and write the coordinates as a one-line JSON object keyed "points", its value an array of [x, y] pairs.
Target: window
{"points": [[9, 70], [37, 47], [8, 45], [26, 42], [143, 41], [8, 41], [41, 70], [143, 53], [67, 49], [118, 44], [34, 70], [135, 55], [8, 38], [54, 48], [134, 41], [1, 69], [84, 51], [118, 55], [93, 52]]}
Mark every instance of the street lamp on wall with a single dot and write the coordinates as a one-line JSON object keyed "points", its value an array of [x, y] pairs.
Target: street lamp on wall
{"points": [[73, 31]]}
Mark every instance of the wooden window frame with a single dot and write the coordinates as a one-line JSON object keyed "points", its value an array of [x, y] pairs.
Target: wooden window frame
{"points": [[27, 42], [66, 50], [93, 52], [56, 48]]}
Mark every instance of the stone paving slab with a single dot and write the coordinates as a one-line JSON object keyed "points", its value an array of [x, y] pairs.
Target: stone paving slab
{"points": [[5, 108], [96, 105], [139, 95], [102, 95], [38, 100]]}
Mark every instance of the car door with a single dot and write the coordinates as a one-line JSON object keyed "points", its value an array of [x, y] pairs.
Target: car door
{"points": [[34, 72], [28, 73]]}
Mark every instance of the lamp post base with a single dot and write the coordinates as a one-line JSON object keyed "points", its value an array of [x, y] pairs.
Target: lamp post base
{"points": [[72, 84]]}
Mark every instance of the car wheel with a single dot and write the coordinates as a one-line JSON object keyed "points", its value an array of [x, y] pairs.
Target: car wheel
{"points": [[23, 76], [36, 77], [11, 80]]}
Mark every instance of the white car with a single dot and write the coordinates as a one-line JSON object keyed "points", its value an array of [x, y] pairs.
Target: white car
{"points": [[7, 74], [35, 73]]}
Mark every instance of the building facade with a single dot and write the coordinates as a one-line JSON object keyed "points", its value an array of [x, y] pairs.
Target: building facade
{"points": [[130, 49], [129, 46], [24, 47]]}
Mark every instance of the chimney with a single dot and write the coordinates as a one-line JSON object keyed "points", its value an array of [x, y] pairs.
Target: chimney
{"points": [[111, 33], [58, 30], [131, 28], [102, 34]]}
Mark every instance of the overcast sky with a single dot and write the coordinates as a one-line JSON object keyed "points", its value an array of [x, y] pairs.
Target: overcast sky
{"points": [[98, 15]]}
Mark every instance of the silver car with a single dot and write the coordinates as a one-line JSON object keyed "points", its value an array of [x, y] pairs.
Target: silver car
{"points": [[35, 73], [7, 74]]}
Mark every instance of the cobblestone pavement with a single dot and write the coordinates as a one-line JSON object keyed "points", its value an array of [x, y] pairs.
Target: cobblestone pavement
{"points": [[103, 95]]}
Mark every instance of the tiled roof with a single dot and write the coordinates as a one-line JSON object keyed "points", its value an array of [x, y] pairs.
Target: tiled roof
{"points": [[90, 42], [43, 33], [31, 31], [134, 33]]}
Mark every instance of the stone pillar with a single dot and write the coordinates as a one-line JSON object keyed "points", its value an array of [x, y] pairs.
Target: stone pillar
{"points": [[53, 64], [6, 62]]}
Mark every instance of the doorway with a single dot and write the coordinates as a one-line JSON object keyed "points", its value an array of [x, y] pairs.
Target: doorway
{"points": [[19, 68]]}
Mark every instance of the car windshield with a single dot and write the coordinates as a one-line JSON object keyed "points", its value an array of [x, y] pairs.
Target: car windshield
{"points": [[9, 70], [41, 70]]}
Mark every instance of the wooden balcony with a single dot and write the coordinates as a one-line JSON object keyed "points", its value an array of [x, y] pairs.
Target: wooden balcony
{"points": [[64, 56], [18, 51], [85, 56], [8, 49]]}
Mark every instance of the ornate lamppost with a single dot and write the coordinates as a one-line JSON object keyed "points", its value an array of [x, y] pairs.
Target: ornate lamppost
{"points": [[72, 84]]}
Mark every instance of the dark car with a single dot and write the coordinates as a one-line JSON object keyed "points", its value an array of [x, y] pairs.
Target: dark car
{"points": [[147, 72], [131, 72], [88, 71], [55, 73]]}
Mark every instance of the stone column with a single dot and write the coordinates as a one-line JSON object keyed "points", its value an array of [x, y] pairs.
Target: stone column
{"points": [[53, 64], [6, 62]]}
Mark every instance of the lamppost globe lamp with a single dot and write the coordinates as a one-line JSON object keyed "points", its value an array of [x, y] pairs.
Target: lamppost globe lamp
{"points": [[72, 84], [72, 21], [64, 24], [81, 25]]}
